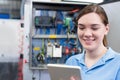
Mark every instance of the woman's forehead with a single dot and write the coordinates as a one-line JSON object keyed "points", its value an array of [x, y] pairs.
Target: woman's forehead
{"points": [[90, 17]]}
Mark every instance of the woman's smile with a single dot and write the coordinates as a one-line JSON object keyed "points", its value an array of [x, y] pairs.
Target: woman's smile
{"points": [[89, 41]]}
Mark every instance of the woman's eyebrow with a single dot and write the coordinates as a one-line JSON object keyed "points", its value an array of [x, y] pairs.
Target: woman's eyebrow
{"points": [[81, 24], [94, 25]]}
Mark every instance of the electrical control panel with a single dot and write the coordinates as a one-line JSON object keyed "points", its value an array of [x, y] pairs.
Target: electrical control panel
{"points": [[53, 37]]}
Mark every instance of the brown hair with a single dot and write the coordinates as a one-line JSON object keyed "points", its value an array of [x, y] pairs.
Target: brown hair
{"points": [[98, 10]]}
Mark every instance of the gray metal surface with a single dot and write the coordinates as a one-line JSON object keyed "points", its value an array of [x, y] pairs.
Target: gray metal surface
{"points": [[112, 10], [8, 71]]}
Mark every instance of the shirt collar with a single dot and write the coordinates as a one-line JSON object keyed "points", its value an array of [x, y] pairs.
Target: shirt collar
{"points": [[110, 54]]}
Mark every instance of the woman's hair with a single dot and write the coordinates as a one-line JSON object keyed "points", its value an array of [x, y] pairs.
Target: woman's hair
{"points": [[98, 10]]}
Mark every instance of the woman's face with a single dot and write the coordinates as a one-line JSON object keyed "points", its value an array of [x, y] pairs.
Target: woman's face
{"points": [[91, 31]]}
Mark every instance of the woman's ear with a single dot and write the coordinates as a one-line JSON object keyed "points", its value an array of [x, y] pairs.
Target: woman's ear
{"points": [[107, 29]]}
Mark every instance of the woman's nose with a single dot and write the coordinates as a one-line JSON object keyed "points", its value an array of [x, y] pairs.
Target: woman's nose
{"points": [[87, 33]]}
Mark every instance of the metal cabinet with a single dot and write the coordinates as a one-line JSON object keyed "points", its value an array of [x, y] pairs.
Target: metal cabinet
{"points": [[53, 36]]}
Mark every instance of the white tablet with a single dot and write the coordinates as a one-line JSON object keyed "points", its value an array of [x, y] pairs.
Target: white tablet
{"points": [[64, 72]]}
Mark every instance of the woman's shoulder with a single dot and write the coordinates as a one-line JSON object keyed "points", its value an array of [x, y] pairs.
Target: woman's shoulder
{"points": [[111, 50], [77, 56], [114, 53], [75, 59]]}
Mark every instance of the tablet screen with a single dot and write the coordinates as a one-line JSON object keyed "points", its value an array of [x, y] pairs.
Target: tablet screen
{"points": [[64, 72]]}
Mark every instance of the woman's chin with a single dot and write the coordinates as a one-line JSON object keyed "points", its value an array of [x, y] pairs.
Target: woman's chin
{"points": [[90, 47]]}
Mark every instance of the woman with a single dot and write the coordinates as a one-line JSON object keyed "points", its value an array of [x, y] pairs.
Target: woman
{"points": [[97, 61]]}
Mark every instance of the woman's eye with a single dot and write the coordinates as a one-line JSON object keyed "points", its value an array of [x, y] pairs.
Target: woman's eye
{"points": [[81, 27], [95, 28]]}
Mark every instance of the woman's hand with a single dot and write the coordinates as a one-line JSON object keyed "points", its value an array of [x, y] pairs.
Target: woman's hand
{"points": [[73, 78]]}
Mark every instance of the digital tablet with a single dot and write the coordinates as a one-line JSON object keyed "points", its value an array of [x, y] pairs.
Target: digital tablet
{"points": [[64, 72]]}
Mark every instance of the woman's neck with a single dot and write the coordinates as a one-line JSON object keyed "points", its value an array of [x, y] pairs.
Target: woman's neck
{"points": [[96, 53], [91, 57]]}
